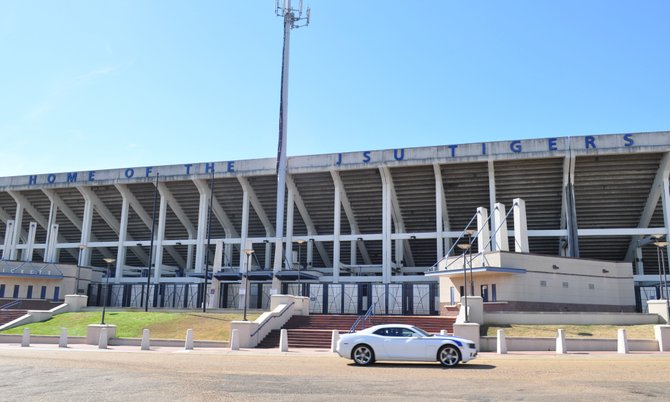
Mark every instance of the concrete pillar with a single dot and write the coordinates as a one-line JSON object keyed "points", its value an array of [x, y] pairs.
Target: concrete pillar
{"points": [[283, 341], [53, 215], [492, 186], [25, 339], [337, 208], [30, 243], [500, 242], [622, 341], [244, 245], [560, 342], [51, 253], [123, 234], [290, 215], [439, 201], [201, 240], [353, 252], [310, 252], [160, 236], [16, 236], [268, 255], [468, 330], [484, 236], [234, 340], [501, 342], [62, 340], [520, 226], [386, 229], [189, 256], [188, 345], [333, 340], [662, 334], [146, 342], [9, 238], [217, 263], [86, 224], [103, 340], [665, 191]]}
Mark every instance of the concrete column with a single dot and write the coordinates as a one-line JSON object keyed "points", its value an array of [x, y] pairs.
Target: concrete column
{"points": [[86, 224], [501, 342], [439, 200], [622, 341], [353, 252], [123, 234], [200, 245], [560, 342], [9, 238], [337, 208], [666, 219], [492, 186], [386, 230], [160, 236], [218, 256], [520, 226], [290, 212], [483, 238], [30, 244], [189, 256], [228, 255], [639, 263], [310, 253], [500, 243], [268, 255], [244, 245], [16, 236], [53, 214], [50, 252]]}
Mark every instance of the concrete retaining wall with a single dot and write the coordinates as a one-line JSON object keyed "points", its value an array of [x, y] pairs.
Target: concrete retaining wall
{"points": [[520, 344], [558, 318]]}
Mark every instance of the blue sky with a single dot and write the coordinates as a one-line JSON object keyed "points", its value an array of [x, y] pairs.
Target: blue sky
{"points": [[102, 84]]}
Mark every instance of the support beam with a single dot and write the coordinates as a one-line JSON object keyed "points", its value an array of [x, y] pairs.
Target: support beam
{"points": [[160, 236], [217, 209], [500, 240], [652, 201], [403, 249], [349, 212], [337, 217], [492, 185], [520, 226], [484, 236], [665, 196], [258, 207], [386, 231], [441, 213], [311, 229], [123, 234]]}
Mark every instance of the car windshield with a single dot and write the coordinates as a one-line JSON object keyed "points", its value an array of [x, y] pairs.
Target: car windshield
{"points": [[422, 332]]}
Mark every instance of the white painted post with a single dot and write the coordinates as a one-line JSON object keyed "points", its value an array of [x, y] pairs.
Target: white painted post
{"points": [[25, 339], [662, 334], [62, 341], [146, 342], [9, 237], [501, 343], [30, 244], [560, 342], [500, 228], [443, 332], [283, 341], [189, 340], [337, 208], [520, 226], [622, 341], [333, 340], [103, 340], [483, 243], [123, 234], [234, 340], [160, 236]]}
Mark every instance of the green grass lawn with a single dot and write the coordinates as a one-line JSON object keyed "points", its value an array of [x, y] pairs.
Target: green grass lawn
{"points": [[571, 331], [206, 326]]}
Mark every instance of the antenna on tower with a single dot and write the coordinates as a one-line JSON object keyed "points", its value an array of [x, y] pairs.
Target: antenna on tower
{"points": [[294, 16]]}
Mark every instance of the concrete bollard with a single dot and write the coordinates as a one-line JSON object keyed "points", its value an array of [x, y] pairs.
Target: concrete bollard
{"points": [[283, 341], [146, 342], [189, 340], [560, 342], [62, 341], [102, 343], [662, 334], [622, 341], [234, 340], [333, 340], [443, 332], [25, 339], [501, 342]]}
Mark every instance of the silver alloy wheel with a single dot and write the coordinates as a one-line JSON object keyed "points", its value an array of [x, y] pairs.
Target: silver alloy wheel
{"points": [[449, 356], [363, 355]]}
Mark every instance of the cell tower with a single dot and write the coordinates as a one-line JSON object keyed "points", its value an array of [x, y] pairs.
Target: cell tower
{"points": [[293, 18]]}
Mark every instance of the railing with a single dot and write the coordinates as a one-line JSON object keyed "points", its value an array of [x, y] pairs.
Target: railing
{"points": [[363, 318], [435, 267], [10, 304], [281, 313]]}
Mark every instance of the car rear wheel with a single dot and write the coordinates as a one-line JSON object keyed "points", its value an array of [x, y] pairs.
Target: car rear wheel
{"points": [[363, 355], [449, 356]]}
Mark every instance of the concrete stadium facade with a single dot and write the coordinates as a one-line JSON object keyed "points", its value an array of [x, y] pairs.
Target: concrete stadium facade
{"points": [[360, 227]]}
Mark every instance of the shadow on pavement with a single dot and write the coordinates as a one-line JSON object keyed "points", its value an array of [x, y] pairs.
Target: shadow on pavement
{"points": [[434, 366]]}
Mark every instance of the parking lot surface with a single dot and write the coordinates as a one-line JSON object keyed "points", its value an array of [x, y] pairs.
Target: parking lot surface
{"points": [[82, 372]]}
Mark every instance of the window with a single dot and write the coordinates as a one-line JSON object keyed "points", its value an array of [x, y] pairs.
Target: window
{"points": [[56, 292], [29, 294], [43, 292], [2, 291], [565, 284], [494, 296], [543, 284], [16, 292], [395, 332], [592, 286]]}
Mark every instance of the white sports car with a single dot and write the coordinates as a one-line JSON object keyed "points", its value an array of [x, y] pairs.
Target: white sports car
{"points": [[402, 342]]}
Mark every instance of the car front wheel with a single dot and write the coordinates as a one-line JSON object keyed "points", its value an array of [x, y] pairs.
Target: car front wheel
{"points": [[363, 355], [449, 356]]}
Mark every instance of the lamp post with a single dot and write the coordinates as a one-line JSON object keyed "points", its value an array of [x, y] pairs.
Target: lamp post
{"points": [[248, 252], [109, 262], [300, 242], [662, 280], [465, 247]]}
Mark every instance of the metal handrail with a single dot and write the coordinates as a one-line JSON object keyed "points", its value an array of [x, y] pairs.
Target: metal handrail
{"points": [[271, 317], [460, 236], [363, 318]]}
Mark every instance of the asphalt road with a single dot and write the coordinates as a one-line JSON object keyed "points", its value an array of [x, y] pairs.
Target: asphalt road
{"points": [[85, 373]]}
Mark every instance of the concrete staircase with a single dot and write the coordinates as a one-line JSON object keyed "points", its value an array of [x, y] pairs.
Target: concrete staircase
{"points": [[10, 315], [315, 331]]}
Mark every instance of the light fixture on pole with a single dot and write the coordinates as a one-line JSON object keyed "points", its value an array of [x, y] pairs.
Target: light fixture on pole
{"points": [[663, 279], [248, 252], [300, 242], [109, 262], [465, 247]]}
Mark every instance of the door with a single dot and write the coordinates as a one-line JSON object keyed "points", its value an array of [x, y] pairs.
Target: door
{"points": [[484, 289], [403, 344]]}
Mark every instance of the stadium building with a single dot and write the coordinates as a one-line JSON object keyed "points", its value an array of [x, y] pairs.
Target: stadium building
{"points": [[361, 228]]}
